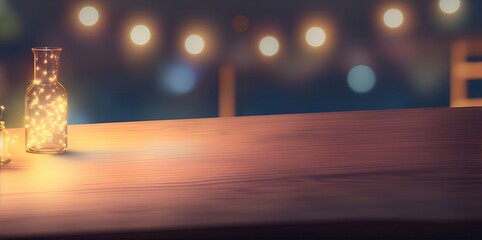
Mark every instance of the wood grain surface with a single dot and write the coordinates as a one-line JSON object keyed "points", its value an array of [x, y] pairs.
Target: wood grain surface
{"points": [[407, 165]]}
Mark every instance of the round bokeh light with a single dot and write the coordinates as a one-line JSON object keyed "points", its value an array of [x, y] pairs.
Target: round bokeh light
{"points": [[449, 6], [393, 18], [194, 44], [178, 78], [315, 36], [140, 35], [269, 46], [361, 79], [88, 16]]}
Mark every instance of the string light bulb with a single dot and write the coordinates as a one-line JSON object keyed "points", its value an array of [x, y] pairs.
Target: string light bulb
{"points": [[88, 16], [315, 36], [140, 35], [449, 6], [194, 44], [269, 46], [4, 140], [46, 105], [393, 18]]}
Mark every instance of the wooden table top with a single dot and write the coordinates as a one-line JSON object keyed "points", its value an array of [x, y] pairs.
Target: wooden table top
{"points": [[407, 165]]}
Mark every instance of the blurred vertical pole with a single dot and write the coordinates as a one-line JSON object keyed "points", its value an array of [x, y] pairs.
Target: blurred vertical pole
{"points": [[227, 91], [458, 86]]}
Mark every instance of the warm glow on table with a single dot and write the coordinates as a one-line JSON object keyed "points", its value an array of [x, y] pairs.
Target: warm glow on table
{"points": [[405, 165]]}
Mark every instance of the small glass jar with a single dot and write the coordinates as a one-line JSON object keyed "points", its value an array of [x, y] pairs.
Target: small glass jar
{"points": [[46, 105], [4, 140]]}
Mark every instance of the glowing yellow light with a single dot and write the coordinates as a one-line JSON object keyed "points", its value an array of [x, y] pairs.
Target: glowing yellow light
{"points": [[140, 35], [269, 46], [48, 122], [89, 16], [4, 141], [393, 18], [449, 6], [46, 109], [315, 36], [194, 44]]}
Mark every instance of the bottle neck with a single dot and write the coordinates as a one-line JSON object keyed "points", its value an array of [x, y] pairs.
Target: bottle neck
{"points": [[46, 66], [2, 126]]}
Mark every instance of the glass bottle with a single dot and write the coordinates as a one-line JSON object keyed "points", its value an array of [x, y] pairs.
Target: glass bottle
{"points": [[46, 105], [4, 139]]}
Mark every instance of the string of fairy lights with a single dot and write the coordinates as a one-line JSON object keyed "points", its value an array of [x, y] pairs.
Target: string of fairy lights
{"points": [[317, 34], [269, 45], [46, 105]]}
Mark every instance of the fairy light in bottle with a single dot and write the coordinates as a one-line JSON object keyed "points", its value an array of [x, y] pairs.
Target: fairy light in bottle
{"points": [[4, 140], [46, 105]]}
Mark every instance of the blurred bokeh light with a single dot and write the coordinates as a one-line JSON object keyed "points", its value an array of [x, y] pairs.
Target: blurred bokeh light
{"points": [[140, 35], [269, 46], [393, 18], [88, 16], [194, 44], [177, 78], [198, 41], [449, 6], [361, 79], [142, 40], [452, 15], [315, 36]]}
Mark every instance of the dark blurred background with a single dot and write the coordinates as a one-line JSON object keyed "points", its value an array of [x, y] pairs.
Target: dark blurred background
{"points": [[110, 79]]}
